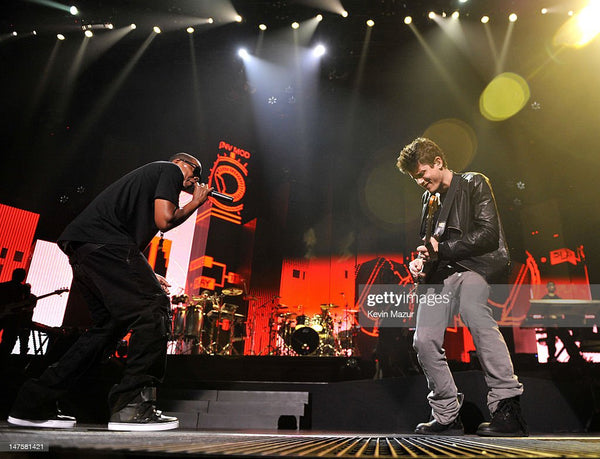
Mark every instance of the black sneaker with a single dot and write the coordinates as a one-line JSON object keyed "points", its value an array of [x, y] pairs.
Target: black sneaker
{"points": [[436, 428], [59, 421], [141, 415], [507, 421]]}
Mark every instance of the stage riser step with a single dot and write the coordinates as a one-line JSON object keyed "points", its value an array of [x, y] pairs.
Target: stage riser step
{"points": [[235, 395], [213, 409]]}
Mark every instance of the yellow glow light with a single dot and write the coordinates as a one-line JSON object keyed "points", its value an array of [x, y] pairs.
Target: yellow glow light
{"points": [[262, 27], [513, 17], [156, 29], [431, 15], [344, 14], [580, 29], [370, 22], [485, 19], [237, 18], [407, 20], [88, 33], [295, 25], [455, 15], [504, 97], [544, 10], [190, 30], [319, 17]]}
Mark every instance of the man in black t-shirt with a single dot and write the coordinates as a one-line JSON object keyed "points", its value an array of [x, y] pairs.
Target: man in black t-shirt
{"points": [[104, 244]]}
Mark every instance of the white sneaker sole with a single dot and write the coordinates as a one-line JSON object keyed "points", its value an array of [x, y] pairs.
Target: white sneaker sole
{"points": [[48, 423], [141, 427]]}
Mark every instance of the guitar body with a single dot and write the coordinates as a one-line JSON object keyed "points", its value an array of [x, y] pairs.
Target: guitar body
{"points": [[429, 266]]}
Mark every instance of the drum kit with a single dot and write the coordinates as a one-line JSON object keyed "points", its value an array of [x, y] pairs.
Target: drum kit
{"points": [[327, 334], [206, 324]]}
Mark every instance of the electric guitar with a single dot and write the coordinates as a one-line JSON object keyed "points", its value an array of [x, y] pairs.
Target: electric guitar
{"points": [[28, 303], [429, 266]]}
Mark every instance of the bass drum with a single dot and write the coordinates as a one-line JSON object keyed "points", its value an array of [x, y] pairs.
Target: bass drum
{"points": [[305, 340]]}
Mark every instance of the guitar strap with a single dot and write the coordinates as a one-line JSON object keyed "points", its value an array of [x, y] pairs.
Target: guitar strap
{"points": [[440, 225]]}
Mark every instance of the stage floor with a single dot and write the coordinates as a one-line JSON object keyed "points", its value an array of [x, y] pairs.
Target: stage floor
{"points": [[96, 441]]}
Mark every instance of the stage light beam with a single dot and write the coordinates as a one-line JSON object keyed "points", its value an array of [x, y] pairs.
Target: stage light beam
{"points": [[243, 53], [319, 50]]}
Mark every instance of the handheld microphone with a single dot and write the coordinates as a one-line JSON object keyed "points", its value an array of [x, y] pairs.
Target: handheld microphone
{"points": [[224, 197]]}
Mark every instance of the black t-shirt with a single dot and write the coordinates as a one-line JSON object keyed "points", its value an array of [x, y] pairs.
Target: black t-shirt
{"points": [[124, 212]]}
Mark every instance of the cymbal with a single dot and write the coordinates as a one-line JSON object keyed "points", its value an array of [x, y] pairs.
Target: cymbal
{"points": [[250, 298], [232, 291], [329, 306]]}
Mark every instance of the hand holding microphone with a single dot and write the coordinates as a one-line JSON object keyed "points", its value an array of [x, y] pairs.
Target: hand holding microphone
{"points": [[216, 194]]}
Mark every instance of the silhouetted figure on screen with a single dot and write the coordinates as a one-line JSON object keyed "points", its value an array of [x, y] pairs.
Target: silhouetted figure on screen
{"points": [[16, 310]]}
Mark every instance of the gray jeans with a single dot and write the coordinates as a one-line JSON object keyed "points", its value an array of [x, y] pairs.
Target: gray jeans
{"points": [[465, 293]]}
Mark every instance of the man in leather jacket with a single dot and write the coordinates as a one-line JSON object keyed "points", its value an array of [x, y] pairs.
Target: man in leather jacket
{"points": [[466, 253]]}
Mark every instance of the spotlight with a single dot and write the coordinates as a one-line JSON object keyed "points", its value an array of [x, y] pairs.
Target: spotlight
{"points": [[370, 22], [109, 26], [485, 19], [444, 14], [237, 18], [319, 50], [344, 14], [463, 1], [34, 32], [513, 17], [156, 29], [243, 53], [60, 36], [262, 27], [88, 33], [14, 34], [190, 30], [211, 20], [431, 15], [455, 15], [73, 10], [132, 26], [295, 25], [319, 17], [544, 10], [570, 13]]}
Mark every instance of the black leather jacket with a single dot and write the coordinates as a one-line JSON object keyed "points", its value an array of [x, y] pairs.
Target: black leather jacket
{"points": [[473, 238]]}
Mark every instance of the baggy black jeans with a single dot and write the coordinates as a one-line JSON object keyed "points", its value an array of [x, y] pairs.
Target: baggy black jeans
{"points": [[123, 294]]}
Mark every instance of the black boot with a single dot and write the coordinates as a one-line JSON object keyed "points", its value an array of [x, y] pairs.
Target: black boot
{"points": [[507, 421], [436, 428]]}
